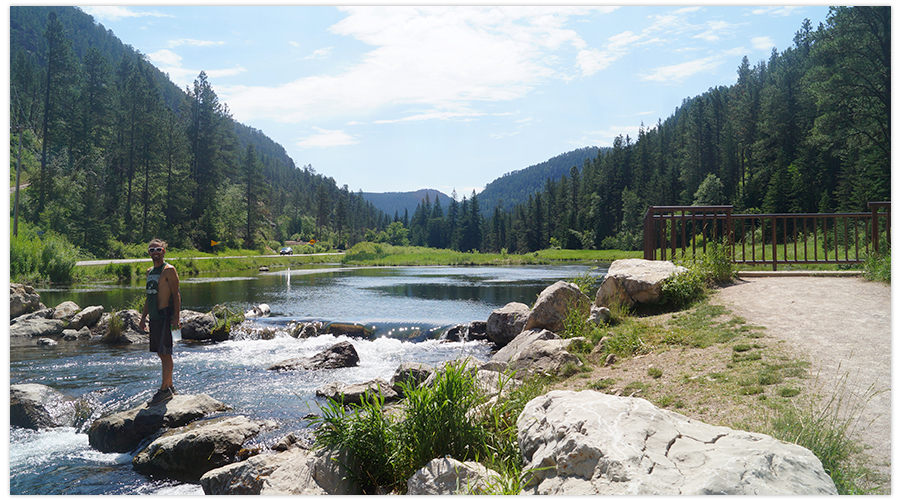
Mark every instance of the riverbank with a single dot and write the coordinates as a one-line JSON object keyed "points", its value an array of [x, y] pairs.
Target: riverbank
{"points": [[770, 355], [363, 254]]}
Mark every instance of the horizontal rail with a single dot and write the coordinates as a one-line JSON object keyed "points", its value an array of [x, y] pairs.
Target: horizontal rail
{"points": [[781, 238]]}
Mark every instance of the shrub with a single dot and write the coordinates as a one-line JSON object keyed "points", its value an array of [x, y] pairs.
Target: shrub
{"points": [[683, 288], [41, 257], [878, 267], [654, 372]]}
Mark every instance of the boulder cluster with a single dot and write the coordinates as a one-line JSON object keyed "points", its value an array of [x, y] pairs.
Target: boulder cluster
{"points": [[574, 443]]}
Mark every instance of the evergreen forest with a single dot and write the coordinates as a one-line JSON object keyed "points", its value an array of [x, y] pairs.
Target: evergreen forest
{"points": [[115, 154]]}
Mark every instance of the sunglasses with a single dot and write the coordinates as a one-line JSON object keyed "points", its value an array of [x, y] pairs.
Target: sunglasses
{"points": [[155, 250]]}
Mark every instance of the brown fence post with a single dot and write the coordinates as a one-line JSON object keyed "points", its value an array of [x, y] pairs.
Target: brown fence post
{"points": [[649, 251]]}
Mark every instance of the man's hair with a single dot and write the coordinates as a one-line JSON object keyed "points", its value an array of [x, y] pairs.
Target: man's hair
{"points": [[158, 242]]}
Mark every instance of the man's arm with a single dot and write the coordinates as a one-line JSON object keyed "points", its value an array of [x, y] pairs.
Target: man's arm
{"points": [[144, 313], [176, 296]]}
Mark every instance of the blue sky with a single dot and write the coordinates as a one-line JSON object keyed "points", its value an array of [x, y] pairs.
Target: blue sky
{"points": [[403, 98]]}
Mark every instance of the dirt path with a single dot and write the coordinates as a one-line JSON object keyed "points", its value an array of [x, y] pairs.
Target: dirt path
{"points": [[842, 326]]}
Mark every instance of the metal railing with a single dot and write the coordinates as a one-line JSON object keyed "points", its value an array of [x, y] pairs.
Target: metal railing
{"points": [[673, 232]]}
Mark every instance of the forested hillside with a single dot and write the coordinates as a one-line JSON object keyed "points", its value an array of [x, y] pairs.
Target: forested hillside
{"points": [[116, 153], [514, 187], [807, 130]]}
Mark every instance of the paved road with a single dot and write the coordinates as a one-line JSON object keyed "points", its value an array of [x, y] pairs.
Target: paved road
{"points": [[842, 326], [132, 261]]}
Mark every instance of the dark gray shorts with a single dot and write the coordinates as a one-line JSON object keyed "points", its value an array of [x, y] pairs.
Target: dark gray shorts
{"points": [[161, 332]]}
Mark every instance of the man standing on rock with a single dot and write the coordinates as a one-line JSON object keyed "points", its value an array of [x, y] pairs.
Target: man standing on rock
{"points": [[163, 305]]}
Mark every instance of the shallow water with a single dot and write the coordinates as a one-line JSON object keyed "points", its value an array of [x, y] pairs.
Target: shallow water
{"points": [[395, 301]]}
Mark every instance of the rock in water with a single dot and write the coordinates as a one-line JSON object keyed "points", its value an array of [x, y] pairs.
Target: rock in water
{"points": [[122, 432], [504, 324], [36, 406], [340, 355], [590, 443], [189, 452]]}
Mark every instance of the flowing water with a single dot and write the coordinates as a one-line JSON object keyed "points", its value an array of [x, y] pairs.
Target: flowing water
{"points": [[408, 308]]}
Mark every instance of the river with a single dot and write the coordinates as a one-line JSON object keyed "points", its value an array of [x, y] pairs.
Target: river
{"points": [[393, 300]]}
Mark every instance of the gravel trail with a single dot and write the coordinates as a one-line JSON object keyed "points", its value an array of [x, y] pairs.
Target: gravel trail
{"points": [[842, 326]]}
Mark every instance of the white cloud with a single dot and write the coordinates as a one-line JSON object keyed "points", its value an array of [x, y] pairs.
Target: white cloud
{"points": [[320, 53], [164, 58], [434, 115], [606, 137], [715, 31], [326, 138], [170, 63], [762, 42], [677, 73], [775, 11], [442, 58], [115, 13], [193, 43]]}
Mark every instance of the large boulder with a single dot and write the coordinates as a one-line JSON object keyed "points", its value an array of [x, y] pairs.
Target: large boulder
{"points": [[355, 393], [37, 327], [590, 443], [199, 326], [633, 281], [189, 452], [122, 432], [544, 357], [66, 311], [500, 360], [319, 473], [247, 477], [553, 305], [36, 406], [448, 476], [129, 332], [506, 323], [22, 300], [340, 355], [89, 316]]}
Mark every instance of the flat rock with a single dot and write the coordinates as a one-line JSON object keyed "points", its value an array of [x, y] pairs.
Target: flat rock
{"points": [[37, 327], [355, 393], [188, 452], [500, 360], [122, 432], [590, 443]]}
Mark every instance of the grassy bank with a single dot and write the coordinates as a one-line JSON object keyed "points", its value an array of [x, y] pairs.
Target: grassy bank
{"points": [[382, 254]]}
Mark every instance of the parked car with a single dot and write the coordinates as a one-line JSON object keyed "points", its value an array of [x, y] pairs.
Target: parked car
{"points": [[287, 251]]}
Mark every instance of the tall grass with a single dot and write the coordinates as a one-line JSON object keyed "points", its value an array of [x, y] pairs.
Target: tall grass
{"points": [[447, 418], [827, 429], [878, 267]]}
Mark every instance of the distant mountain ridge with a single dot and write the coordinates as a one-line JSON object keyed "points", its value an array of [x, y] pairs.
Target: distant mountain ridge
{"points": [[397, 203], [513, 188]]}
